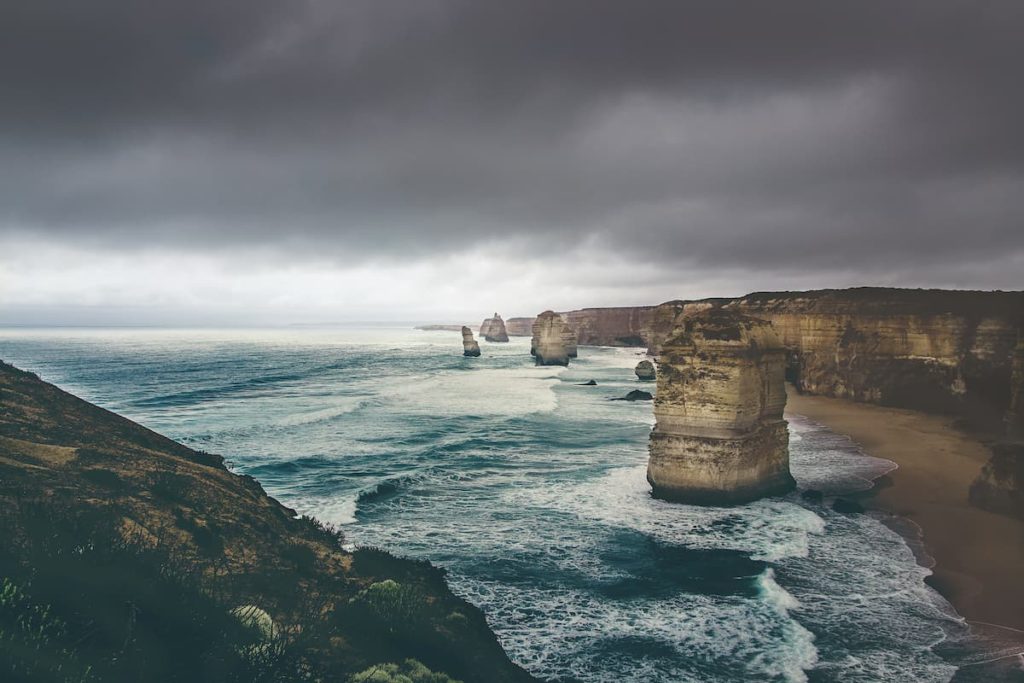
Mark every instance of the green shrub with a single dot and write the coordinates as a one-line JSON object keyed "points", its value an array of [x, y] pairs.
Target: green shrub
{"points": [[410, 671], [399, 606], [33, 642]]}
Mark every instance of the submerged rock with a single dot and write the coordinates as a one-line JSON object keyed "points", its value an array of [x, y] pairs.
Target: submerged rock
{"points": [[551, 335], [470, 347], [847, 506], [636, 395], [719, 437], [645, 371], [812, 495], [493, 329], [590, 383]]}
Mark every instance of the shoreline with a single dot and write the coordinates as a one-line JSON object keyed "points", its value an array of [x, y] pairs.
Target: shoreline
{"points": [[976, 557]]}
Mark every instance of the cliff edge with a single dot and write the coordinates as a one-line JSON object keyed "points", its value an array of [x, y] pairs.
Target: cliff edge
{"points": [[133, 555]]}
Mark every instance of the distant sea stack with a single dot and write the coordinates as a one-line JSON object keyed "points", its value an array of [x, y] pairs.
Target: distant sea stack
{"points": [[645, 371], [719, 436], [551, 337], [493, 329], [470, 347]]}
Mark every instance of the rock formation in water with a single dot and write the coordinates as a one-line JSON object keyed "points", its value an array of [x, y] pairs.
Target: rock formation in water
{"points": [[553, 342], [932, 350], [519, 327], [645, 371], [493, 329], [470, 347], [719, 436], [636, 395]]}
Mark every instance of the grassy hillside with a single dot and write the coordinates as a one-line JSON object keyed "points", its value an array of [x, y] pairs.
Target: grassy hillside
{"points": [[127, 556]]}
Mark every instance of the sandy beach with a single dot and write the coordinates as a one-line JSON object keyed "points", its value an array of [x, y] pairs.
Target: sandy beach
{"points": [[978, 555]]}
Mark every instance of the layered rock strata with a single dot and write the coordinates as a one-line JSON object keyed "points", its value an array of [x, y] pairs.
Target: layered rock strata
{"points": [[519, 327], [553, 342], [470, 347], [719, 436], [645, 371], [933, 350], [493, 329], [622, 326], [1015, 416]]}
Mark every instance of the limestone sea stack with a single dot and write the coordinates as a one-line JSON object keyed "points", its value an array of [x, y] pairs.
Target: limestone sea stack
{"points": [[550, 336], [645, 371], [719, 436], [493, 329], [470, 347]]}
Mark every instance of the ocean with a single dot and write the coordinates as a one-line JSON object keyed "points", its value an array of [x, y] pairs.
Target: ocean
{"points": [[529, 489]]}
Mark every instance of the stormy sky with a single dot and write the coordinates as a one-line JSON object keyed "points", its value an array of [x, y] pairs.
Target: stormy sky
{"points": [[254, 161]]}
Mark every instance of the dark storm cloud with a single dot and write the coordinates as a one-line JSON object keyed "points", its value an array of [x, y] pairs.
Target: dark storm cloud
{"points": [[854, 134]]}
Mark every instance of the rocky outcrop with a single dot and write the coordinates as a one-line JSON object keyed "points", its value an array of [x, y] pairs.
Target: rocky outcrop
{"points": [[1015, 416], [519, 327], [553, 342], [493, 329], [470, 347], [636, 395], [933, 350], [645, 371], [719, 436], [92, 500], [1000, 485]]}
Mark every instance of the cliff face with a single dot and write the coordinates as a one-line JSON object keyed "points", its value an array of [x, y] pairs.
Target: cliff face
{"points": [[470, 347], [519, 327], [1015, 416], [623, 326], [719, 435], [63, 460], [493, 329], [944, 351], [1000, 485], [553, 343]]}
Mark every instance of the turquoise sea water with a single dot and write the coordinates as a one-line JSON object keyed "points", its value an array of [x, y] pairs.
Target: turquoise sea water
{"points": [[529, 489]]}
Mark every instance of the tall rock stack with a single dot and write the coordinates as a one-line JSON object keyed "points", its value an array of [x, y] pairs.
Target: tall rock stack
{"points": [[719, 436], [493, 329], [550, 335], [470, 347]]}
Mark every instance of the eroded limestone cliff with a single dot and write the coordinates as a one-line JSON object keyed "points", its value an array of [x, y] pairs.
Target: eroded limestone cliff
{"points": [[519, 327], [719, 436], [553, 343], [621, 326], [933, 350], [470, 347], [493, 329]]}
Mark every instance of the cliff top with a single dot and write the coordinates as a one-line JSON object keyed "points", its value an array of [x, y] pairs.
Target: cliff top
{"points": [[887, 300], [64, 460]]}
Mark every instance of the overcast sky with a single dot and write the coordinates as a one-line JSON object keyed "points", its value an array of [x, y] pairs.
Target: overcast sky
{"points": [[255, 161]]}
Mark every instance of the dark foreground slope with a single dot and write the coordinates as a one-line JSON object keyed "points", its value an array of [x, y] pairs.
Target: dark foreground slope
{"points": [[123, 554]]}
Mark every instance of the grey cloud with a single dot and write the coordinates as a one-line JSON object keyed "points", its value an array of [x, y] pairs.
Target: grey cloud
{"points": [[734, 133]]}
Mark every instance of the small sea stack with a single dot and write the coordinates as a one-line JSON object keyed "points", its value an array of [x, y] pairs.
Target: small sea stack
{"points": [[550, 334], [470, 347], [719, 436], [645, 371], [493, 329]]}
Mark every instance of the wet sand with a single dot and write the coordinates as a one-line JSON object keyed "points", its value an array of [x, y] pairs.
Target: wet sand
{"points": [[978, 555]]}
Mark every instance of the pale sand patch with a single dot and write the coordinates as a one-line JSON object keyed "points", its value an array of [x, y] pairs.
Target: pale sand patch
{"points": [[979, 555]]}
